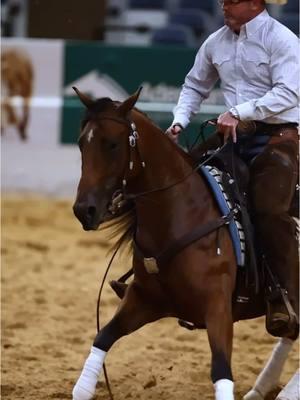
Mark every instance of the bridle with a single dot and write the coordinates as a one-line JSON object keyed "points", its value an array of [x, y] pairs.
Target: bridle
{"points": [[133, 138]]}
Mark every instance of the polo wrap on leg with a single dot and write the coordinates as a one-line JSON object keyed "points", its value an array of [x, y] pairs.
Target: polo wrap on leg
{"points": [[86, 385]]}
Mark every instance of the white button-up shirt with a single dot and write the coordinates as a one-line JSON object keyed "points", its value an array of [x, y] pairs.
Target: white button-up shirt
{"points": [[258, 70]]}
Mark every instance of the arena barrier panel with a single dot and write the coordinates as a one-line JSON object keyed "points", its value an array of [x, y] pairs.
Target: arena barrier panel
{"points": [[97, 69]]}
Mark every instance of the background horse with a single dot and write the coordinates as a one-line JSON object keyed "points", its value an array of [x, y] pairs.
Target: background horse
{"points": [[123, 151], [17, 80]]}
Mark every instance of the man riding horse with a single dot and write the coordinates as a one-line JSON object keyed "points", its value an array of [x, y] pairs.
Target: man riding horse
{"points": [[256, 59]]}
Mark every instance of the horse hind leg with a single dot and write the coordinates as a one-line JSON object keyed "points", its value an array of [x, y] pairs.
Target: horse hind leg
{"points": [[291, 390], [269, 377], [134, 312]]}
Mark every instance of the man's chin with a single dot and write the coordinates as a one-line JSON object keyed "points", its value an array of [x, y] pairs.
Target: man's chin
{"points": [[232, 24]]}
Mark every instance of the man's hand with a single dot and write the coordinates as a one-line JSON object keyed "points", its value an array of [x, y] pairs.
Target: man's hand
{"points": [[226, 125], [173, 132]]}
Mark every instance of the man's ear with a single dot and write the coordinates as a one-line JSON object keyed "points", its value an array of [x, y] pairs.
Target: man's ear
{"points": [[129, 103], [85, 100], [256, 4]]}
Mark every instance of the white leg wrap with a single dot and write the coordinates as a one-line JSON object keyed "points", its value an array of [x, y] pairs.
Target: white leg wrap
{"points": [[269, 376], [224, 389], [86, 385], [292, 390]]}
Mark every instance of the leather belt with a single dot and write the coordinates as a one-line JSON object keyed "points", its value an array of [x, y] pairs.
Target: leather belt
{"points": [[278, 132], [274, 129]]}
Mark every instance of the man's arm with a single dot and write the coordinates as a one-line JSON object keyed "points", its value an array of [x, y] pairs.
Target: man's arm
{"points": [[284, 69], [198, 84]]}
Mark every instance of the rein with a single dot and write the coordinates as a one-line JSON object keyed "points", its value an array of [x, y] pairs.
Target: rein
{"points": [[198, 166], [134, 136], [98, 317]]}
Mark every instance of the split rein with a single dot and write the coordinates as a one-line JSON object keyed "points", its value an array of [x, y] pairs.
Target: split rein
{"points": [[134, 136]]}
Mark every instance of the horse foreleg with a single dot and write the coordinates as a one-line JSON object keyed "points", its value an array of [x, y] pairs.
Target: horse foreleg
{"points": [[269, 376], [134, 312], [219, 326]]}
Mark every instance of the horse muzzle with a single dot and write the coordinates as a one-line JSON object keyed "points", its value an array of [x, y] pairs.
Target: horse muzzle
{"points": [[87, 214], [91, 211]]}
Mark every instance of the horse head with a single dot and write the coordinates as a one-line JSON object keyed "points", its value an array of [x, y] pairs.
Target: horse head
{"points": [[104, 147]]}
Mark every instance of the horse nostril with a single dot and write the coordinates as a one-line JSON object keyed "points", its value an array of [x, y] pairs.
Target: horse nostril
{"points": [[86, 213], [91, 211]]}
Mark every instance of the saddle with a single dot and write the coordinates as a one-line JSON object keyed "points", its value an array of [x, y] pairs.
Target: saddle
{"points": [[235, 179]]}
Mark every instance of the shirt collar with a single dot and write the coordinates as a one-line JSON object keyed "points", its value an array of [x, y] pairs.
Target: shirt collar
{"points": [[255, 23]]}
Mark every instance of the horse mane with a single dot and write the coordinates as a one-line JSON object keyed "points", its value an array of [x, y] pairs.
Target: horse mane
{"points": [[100, 105], [123, 227]]}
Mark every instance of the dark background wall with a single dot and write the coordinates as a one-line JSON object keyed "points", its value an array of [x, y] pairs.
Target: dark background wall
{"points": [[66, 19]]}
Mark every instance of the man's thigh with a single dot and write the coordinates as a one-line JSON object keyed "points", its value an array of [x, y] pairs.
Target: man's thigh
{"points": [[273, 178]]}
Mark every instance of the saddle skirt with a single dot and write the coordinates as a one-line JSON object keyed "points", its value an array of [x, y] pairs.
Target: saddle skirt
{"points": [[214, 178]]}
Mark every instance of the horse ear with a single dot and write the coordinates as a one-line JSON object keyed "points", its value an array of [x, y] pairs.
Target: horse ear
{"points": [[85, 100], [129, 103]]}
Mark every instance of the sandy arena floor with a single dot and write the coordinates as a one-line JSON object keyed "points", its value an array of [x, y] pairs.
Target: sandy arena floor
{"points": [[51, 271]]}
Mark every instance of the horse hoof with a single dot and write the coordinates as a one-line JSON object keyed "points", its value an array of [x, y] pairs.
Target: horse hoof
{"points": [[119, 288], [253, 395], [80, 393]]}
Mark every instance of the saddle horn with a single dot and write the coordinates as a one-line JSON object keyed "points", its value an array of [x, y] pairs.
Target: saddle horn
{"points": [[85, 100], [129, 103]]}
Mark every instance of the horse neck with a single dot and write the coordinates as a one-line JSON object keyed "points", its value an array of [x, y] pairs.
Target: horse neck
{"points": [[167, 213], [165, 162]]}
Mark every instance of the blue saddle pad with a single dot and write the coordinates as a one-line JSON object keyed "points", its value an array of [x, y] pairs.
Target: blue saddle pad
{"points": [[214, 179]]}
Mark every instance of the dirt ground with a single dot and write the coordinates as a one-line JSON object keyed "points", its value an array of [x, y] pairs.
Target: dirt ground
{"points": [[51, 272]]}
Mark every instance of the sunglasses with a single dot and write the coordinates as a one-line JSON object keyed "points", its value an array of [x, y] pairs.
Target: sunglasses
{"points": [[230, 2]]}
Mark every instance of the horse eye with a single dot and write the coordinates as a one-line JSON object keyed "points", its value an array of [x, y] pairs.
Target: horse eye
{"points": [[109, 144], [112, 145]]}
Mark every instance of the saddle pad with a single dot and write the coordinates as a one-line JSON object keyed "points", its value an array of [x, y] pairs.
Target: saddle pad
{"points": [[213, 178]]}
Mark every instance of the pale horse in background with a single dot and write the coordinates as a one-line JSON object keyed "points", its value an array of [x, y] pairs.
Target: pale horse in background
{"points": [[17, 81]]}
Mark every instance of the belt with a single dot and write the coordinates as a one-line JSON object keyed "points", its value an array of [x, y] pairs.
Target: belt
{"points": [[278, 133], [274, 129]]}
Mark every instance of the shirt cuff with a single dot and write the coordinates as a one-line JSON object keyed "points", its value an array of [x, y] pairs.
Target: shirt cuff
{"points": [[245, 111], [182, 120], [234, 112]]}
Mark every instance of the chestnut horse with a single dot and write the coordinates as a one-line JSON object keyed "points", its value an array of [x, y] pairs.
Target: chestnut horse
{"points": [[124, 152]]}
